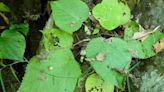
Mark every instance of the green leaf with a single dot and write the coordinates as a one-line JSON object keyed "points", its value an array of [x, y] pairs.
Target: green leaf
{"points": [[136, 49], [69, 15], [58, 72], [96, 31], [108, 55], [12, 45], [4, 8], [56, 37], [111, 13], [94, 83], [130, 30], [22, 28]]}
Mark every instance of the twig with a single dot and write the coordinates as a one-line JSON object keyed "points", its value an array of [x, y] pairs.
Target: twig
{"points": [[84, 40]]}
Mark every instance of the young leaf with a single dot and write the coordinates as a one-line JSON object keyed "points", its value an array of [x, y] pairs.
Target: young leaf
{"points": [[69, 15], [58, 72], [111, 13], [95, 83], [115, 56], [12, 45]]}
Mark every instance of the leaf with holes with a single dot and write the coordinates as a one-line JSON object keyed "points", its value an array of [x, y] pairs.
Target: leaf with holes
{"points": [[56, 37], [12, 45], [59, 72], [108, 55], [111, 13], [69, 16], [95, 83]]}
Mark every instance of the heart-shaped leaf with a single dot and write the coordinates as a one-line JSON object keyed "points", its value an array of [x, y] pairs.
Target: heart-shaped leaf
{"points": [[12, 45], [107, 56], [111, 13], [69, 15], [58, 72]]}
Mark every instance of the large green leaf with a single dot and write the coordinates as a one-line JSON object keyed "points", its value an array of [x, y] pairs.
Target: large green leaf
{"points": [[69, 15], [111, 13], [4, 8], [95, 83], [58, 72], [107, 56], [12, 45]]}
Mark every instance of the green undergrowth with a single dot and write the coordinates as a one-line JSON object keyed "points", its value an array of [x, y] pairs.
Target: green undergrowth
{"points": [[56, 68]]}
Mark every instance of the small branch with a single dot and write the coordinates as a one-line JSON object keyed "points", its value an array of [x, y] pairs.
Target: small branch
{"points": [[84, 40], [8, 65]]}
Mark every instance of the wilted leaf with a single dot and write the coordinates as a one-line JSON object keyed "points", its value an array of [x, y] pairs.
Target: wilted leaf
{"points": [[107, 54], [150, 41], [142, 49], [111, 13], [95, 83], [59, 72], [69, 16]]}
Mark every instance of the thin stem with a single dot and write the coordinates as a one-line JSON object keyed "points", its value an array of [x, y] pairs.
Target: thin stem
{"points": [[134, 66], [2, 83], [128, 83]]}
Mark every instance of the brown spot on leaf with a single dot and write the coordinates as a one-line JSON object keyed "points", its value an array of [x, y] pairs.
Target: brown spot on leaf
{"points": [[100, 57], [72, 24], [132, 52], [42, 77]]}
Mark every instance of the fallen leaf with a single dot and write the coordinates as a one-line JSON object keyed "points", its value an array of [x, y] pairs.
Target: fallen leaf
{"points": [[159, 46]]}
